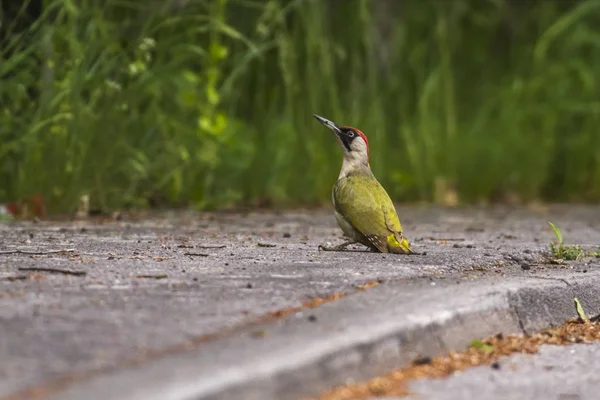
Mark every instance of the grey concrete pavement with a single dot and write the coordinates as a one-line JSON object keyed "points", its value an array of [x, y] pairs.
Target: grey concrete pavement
{"points": [[355, 338], [60, 331], [555, 373]]}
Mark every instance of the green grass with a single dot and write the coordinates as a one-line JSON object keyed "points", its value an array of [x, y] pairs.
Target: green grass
{"points": [[211, 104], [562, 252]]}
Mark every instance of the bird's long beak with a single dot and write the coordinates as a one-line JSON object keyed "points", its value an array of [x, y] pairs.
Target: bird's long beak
{"points": [[336, 129]]}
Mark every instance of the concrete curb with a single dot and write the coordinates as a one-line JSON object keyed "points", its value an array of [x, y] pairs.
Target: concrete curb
{"points": [[357, 337]]}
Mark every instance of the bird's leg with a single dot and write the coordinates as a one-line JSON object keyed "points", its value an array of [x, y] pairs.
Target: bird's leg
{"points": [[339, 247]]}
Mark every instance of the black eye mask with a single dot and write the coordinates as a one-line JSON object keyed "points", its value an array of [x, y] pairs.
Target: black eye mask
{"points": [[347, 136]]}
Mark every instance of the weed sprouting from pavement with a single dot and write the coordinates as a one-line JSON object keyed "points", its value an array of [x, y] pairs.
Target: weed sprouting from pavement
{"points": [[479, 345], [580, 311], [561, 251]]}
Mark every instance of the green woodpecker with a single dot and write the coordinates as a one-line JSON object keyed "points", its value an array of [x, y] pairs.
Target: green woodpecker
{"points": [[363, 209]]}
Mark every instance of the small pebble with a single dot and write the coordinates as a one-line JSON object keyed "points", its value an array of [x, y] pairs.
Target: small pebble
{"points": [[422, 361]]}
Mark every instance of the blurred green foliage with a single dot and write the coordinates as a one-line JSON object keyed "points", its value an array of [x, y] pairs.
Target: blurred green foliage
{"points": [[209, 102]]}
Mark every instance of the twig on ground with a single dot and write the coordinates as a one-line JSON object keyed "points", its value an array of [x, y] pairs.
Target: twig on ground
{"points": [[156, 276], [196, 254], [36, 253], [54, 270], [12, 278], [448, 239]]}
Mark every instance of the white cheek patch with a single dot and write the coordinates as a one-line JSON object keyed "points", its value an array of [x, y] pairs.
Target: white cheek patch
{"points": [[358, 145], [358, 158]]}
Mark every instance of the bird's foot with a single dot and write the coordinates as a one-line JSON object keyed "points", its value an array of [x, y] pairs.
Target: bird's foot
{"points": [[339, 247]]}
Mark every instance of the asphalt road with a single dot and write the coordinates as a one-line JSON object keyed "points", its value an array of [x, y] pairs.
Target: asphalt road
{"points": [[172, 279]]}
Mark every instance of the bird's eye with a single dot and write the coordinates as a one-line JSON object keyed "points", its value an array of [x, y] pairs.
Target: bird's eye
{"points": [[350, 134]]}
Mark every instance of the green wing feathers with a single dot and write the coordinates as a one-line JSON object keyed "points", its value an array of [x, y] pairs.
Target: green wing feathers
{"points": [[366, 205]]}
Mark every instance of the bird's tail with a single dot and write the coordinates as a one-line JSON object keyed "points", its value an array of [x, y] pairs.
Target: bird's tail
{"points": [[395, 246]]}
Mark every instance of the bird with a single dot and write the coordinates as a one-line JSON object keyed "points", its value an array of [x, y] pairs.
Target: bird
{"points": [[362, 207]]}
